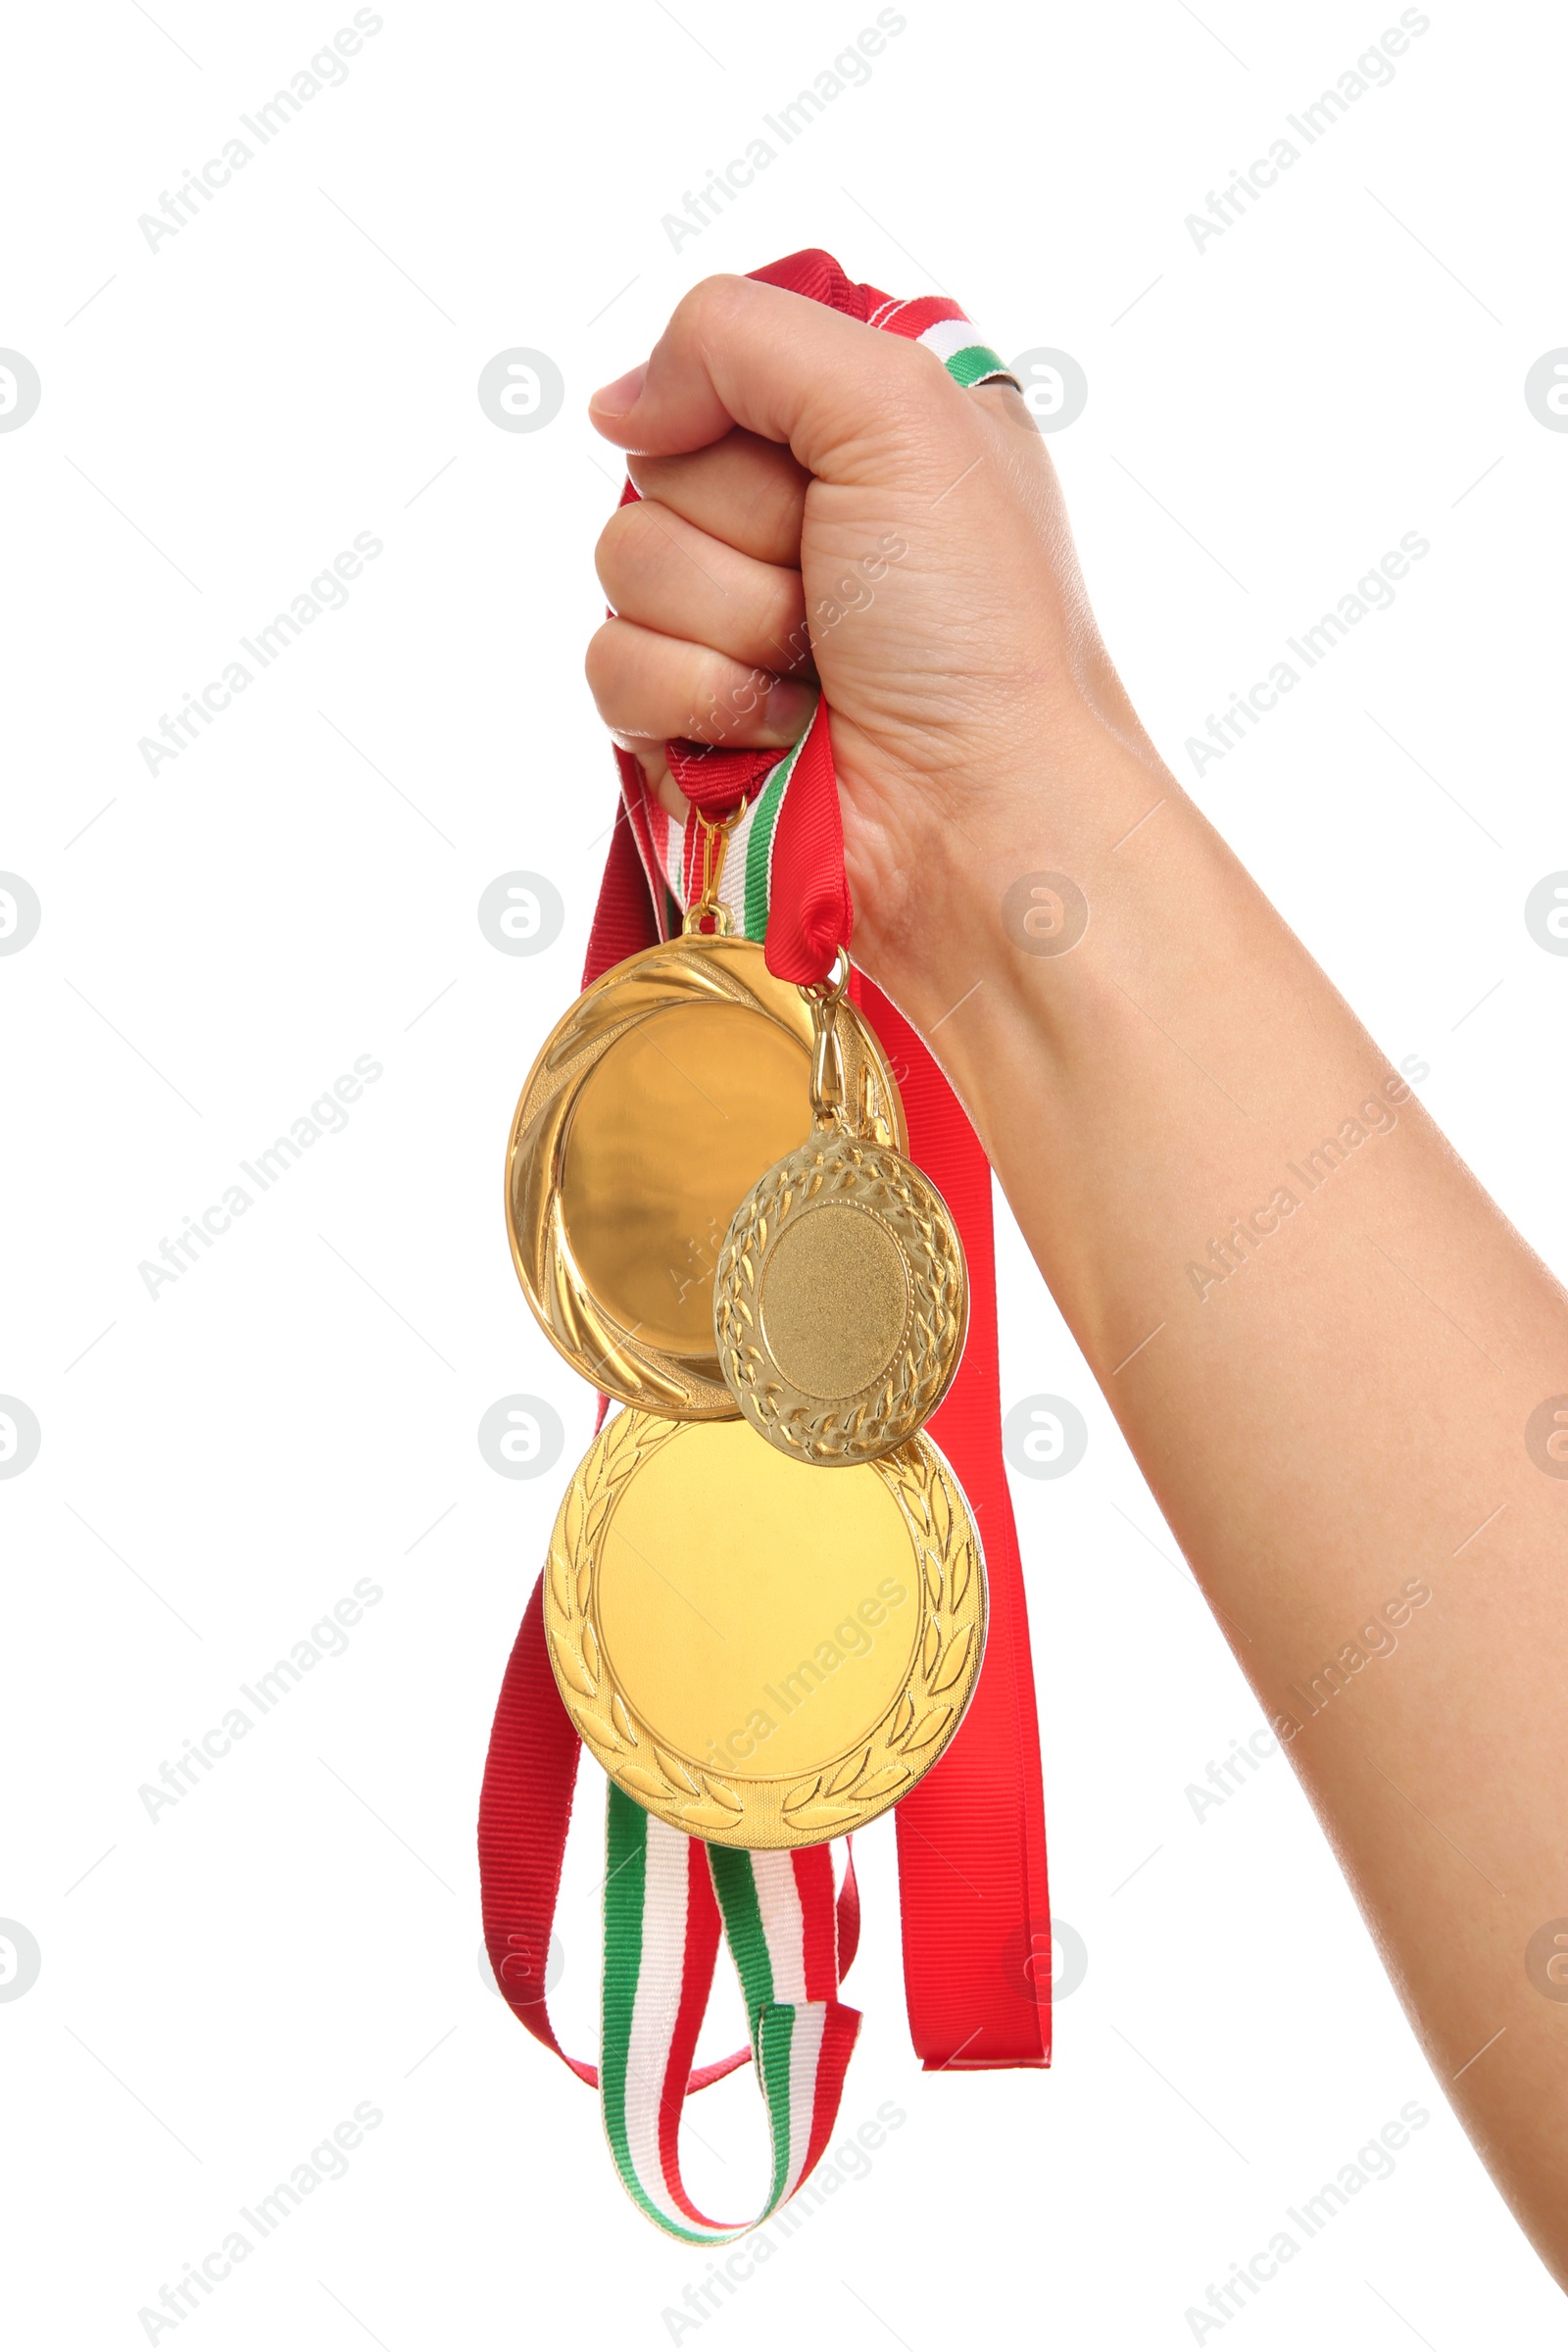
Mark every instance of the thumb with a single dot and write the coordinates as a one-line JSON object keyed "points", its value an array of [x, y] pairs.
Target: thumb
{"points": [[855, 405]]}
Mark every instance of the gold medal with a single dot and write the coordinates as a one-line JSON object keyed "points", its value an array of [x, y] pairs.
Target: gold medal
{"points": [[760, 1656], [840, 1299], [657, 1102]]}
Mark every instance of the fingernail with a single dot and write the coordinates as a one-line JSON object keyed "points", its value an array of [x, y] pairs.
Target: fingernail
{"points": [[621, 397], [789, 710]]}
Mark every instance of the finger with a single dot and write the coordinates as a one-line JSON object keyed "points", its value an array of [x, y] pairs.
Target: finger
{"points": [[656, 686], [747, 492], [656, 767], [662, 572], [855, 405]]}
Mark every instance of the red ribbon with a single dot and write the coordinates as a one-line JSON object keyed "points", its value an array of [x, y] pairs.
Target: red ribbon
{"points": [[809, 916], [530, 1772], [972, 1833]]}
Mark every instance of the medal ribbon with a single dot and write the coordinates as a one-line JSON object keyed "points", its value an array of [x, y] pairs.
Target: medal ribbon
{"points": [[791, 1941], [971, 1835], [779, 1920], [524, 1809]]}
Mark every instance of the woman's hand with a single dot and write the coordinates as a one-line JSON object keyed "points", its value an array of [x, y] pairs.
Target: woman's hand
{"points": [[821, 501]]}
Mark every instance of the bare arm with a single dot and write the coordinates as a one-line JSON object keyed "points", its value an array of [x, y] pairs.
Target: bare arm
{"points": [[1330, 1408], [1323, 1341]]}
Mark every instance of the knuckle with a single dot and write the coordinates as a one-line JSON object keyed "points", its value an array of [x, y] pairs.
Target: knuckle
{"points": [[700, 316], [629, 546], [712, 300], [773, 503], [610, 548], [609, 552], [602, 666], [917, 395]]}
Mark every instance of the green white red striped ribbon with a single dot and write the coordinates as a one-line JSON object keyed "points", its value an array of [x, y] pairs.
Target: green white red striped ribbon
{"points": [[778, 1913], [746, 885], [951, 336]]}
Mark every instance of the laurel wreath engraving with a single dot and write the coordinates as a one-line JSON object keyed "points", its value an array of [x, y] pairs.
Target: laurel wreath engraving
{"points": [[853, 1789], [696, 1800], [892, 1408], [952, 1601]]}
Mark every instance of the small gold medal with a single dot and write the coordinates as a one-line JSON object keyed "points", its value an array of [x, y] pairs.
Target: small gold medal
{"points": [[658, 1099], [760, 1656], [840, 1299]]}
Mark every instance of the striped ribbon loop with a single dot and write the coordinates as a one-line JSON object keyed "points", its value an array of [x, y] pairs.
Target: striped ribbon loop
{"points": [[660, 1934]]}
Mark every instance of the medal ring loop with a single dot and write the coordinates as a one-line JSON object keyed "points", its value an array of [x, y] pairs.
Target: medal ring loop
{"points": [[824, 996], [704, 908], [829, 990]]}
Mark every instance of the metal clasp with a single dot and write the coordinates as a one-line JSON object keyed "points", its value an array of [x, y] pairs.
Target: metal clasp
{"points": [[706, 906], [824, 996]]}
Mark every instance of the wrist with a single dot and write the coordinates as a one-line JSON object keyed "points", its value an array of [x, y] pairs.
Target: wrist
{"points": [[1001, 884]]}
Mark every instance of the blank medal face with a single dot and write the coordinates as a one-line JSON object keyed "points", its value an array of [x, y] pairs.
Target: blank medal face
{"points": [[761, 1655], [835, 1301], [759, 1617], [670, 1130]]}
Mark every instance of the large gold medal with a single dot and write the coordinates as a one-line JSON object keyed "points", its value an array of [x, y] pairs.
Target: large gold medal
{"points": [[656, 1103], [762, 1656], [840, 1299]]}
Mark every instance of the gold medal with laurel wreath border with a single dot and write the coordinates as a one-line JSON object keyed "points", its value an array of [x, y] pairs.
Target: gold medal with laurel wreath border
{"points": [[696, 967], [837, 1167], [843, 1792]]}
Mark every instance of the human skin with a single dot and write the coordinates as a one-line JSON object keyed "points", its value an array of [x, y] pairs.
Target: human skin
{"points": [[1136, 1094]]}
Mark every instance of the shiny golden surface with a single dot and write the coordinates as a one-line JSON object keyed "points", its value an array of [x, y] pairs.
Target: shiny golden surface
{"points": [[669, 1128], [760, 1657], [705, 1617], [659, 1098], [841, 1300]]}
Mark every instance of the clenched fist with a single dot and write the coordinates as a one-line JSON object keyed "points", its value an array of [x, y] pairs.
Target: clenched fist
{"points": [[821, 504]]}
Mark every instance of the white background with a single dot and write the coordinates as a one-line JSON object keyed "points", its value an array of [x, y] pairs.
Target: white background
{"points": [[298, 365]]}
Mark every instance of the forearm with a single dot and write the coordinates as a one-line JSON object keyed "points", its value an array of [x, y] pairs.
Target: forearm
{"points": [[1329, 1407]]}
